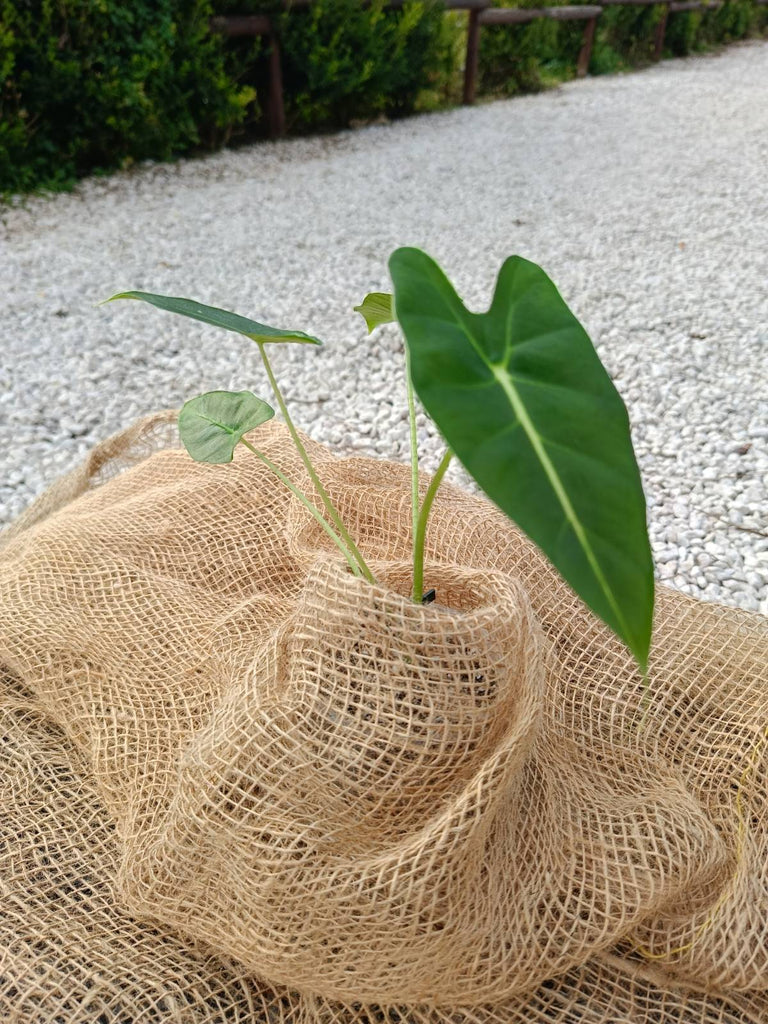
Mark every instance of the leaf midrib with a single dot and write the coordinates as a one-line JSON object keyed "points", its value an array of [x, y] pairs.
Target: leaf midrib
{"points": [[501, 373], [504, 379], [216, 423], [518, 407]]}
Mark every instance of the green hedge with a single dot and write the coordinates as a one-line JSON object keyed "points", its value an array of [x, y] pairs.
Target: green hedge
{"points": [[734, 20], [531, 57], [343, 61], [91, 85]]}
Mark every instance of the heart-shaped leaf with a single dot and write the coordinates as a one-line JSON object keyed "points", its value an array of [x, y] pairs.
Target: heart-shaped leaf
{"points": [[376, 309], [212, 424], [521, 396], [260, 333]]}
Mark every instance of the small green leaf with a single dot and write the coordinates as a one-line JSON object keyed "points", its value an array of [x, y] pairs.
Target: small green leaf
{"points": [[521, 396], [376, 309], [260, 333], [212, 424]]}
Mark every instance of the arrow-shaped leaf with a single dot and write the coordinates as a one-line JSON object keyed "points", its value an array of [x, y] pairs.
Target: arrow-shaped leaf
{"points": [[260, 333], [521, 396], [376, 309], [212, 424]]}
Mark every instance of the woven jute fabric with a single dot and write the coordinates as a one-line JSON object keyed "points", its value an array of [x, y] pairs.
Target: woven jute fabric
{"points": [[240, 784]]}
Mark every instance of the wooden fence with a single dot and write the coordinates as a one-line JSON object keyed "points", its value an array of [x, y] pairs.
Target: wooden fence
{"points": [[480, 13]]}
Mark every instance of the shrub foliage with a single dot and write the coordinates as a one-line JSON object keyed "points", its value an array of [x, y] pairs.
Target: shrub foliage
{"points": [[529, 58], [345, 61], [93, 84]]}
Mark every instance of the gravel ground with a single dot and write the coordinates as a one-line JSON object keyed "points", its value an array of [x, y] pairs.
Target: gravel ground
{"points": [[644, 197]]}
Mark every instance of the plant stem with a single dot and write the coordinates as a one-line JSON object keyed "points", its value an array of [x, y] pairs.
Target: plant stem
{"points": [[335, 517], [307, 504], [421, 529], [414, 454]]}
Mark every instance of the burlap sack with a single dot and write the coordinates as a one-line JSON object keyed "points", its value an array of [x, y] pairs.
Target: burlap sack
{"points": [[239, 784]]}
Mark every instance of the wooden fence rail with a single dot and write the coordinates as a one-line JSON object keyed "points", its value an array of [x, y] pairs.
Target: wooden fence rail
{"points": [[523, 16], [480, 13]]}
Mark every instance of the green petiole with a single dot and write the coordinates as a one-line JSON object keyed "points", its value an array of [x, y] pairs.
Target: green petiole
{"points": [[334, 515], [414, 451], [421, 528], [307, 504]]}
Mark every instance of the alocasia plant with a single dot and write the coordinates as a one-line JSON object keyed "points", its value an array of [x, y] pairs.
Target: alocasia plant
{"points": [[522, 400]]}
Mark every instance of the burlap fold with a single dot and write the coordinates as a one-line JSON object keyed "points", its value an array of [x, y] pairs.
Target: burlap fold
{"points": [[240, 784]]}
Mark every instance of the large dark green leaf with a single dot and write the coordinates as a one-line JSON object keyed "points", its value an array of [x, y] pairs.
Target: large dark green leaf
{"points": [[212, 424], [219, 318], [376, 309], [521, 396]]}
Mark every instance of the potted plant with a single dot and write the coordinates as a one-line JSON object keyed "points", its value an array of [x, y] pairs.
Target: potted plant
{"points": [[386, 691], [522, 400]]}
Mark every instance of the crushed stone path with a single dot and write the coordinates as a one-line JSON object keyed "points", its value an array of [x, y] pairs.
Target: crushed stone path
{"points": [[643, 195]]}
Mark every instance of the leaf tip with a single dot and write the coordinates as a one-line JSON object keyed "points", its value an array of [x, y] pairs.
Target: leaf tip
{"points": [[118, 295], [376, 309], [360, 309]]}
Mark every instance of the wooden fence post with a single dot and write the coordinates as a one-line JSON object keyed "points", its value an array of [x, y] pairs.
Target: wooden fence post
{"points": [[661, 31], [585, 53], [473, 47], [275, 103]]}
